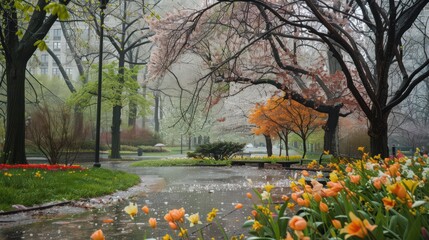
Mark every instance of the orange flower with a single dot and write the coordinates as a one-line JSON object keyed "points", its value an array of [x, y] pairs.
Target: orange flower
{"points": [[398, 189], [305, 173], [285, 198], [177, 214], [238, 206], [349, 169], [377, 183], [168, 217], [173, 225], [254, 213], [152, 222], [249, 195], [303, 202], [355, 179], [388, 203], [98, 235], [145, 209], [323, 207], [357, 227], [317, 197], [336, 223], [108, 220], [297, 223], [329, 193]]}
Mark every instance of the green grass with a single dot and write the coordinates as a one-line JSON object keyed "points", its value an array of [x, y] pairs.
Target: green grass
{"points": [[179, 162], [25, 188]]}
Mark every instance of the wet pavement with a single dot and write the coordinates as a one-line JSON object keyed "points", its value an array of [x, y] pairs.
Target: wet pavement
{"points": [[197, 189]]}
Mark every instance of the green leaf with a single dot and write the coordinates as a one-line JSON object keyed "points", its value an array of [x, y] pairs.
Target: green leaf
{"points": [[57, 9], [248, 223], [41, 45]]}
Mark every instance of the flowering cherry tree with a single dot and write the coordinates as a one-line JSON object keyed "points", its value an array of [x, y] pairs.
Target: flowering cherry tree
{"points": [[366, 41], [233, 44]]}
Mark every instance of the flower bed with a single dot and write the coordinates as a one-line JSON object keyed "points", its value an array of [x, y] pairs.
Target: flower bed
{"points": [[41, 166]]}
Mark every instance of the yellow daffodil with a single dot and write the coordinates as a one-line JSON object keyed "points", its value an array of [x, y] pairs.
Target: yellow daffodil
{"points": [[326, 152], [268, 187], [194, 219], [211, 215], [256, 225], [167, 237], [333, 177], [361, 149], [183, 232], [131, 210]]}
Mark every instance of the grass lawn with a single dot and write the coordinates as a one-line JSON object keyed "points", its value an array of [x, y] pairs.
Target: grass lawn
{"points": [[31, 186], [179, 162]]}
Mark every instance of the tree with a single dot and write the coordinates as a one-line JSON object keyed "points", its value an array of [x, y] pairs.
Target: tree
{"points": [[51, 131], [236, 47], [368, 39], [23, 27], [280, 116]]}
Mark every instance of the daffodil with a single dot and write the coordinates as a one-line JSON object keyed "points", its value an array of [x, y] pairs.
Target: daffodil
{"points": [[211, 215], [268, 187], [256, 225], [131, 210], [265, 195], [167, 237], [194, 219], [183, 232], [357, 227]]}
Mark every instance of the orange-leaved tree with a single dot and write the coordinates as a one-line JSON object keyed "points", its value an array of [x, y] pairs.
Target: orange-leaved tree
{"points": [[282, 116]]}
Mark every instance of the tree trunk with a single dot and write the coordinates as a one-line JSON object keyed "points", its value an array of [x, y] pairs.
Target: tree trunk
{"points": [[156, 112], [14, 148], [377, 132], [116, 112], [304, 147], [330, 128], [132, 114], [287, 144], [269, 145], [116, 132]]}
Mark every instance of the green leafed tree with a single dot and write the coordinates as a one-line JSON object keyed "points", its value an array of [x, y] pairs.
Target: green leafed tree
{"points": [[86, 96], [23, 26]]}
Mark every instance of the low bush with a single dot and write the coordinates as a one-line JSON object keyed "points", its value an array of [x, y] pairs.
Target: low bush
{"points": [[219, 150]]}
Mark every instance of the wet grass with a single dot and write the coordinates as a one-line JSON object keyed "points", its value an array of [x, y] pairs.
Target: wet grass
{"points": [[180, 162], [30, 187]]}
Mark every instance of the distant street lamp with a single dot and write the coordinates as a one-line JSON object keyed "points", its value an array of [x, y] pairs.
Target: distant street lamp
{"points": [[103, 4]]}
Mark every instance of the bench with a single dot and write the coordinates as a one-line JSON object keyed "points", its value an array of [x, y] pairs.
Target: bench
{"points": [[242, 154], [285, 164]]}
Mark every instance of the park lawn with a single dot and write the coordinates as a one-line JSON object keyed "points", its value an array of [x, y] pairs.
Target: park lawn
{"points": [[180, 162], [30, 187]]}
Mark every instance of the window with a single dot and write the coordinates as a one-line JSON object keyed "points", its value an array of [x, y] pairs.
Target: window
{"points": [[44, 71], [57, 46], [69, 72], [44, 59], [57, 33], [55, 71]]}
